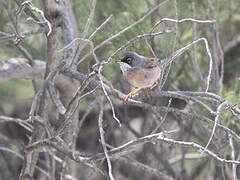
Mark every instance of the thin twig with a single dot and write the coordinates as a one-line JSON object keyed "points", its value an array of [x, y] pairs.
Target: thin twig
{"points": [[181, 21], [135, 39], [180, 51], [22, 158], [107, 96], [194, 59], [219, 109], [100, 125], [85, 40], [231, 144], [24, 123], [164, 117], [55, 98], [197, 146], [234, 166], [82, 46], [90, 18]]}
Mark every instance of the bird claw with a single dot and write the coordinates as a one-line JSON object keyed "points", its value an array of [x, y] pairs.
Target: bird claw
{"points": [[148, 93], [131, 94], [126, 97]]}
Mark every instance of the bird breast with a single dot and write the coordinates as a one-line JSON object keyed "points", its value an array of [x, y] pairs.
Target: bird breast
{"points": [[142, 77]]}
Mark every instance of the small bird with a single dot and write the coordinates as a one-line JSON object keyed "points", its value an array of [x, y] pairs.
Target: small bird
{"points": [[140, 72]]}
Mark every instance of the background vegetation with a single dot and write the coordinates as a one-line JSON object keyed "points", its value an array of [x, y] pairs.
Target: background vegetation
{"points": [[179, 106]]}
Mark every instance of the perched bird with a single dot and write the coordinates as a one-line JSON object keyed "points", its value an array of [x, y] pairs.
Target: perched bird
{"points": [[140, 72]]}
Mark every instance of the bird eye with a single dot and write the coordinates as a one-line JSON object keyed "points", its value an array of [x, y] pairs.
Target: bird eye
{"points": [[129, 60]]}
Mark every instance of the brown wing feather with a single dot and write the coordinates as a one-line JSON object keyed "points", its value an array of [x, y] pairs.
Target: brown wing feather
{"points": [[151, 62]]}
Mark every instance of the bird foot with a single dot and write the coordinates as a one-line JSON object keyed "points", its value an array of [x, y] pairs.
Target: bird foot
{"points": [[128, 96], [131, 94], [148, 92]]}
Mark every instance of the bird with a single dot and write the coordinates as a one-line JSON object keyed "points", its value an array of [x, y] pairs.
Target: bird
{"points": [[140, 72]]}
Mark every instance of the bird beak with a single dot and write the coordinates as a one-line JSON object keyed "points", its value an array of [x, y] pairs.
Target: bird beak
{"points": [[119, 62]]}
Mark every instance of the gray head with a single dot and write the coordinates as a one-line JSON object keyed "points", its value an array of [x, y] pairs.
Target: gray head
{"points": [[133, 59]]}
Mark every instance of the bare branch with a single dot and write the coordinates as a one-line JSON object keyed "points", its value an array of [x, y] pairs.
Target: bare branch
{"points": [[7, 36], [100, 125], [81, 47], [197, 146], [90, 18], [24, 123], [106, 94], [132, 41], [55, 98], [20, 69], [29, 3], [219, 112], [181, 21], [143, 167]]}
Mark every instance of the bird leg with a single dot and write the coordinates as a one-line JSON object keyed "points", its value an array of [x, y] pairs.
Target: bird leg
{"points": [[153, 86], [131, 94]]}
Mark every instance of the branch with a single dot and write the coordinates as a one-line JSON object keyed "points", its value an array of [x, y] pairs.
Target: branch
{"points": [[20, 69], [22, 158], [219, 112], [100, 126], [141, 167], [197, 146], [7, 36], [29, 3], [181, 21], [123, 149]]}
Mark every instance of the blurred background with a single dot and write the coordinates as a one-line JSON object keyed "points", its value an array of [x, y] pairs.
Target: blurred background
{"points": [[174, 161]]}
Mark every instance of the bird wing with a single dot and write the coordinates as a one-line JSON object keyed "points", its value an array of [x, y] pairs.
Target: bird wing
{"points": [[151, 62]]}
